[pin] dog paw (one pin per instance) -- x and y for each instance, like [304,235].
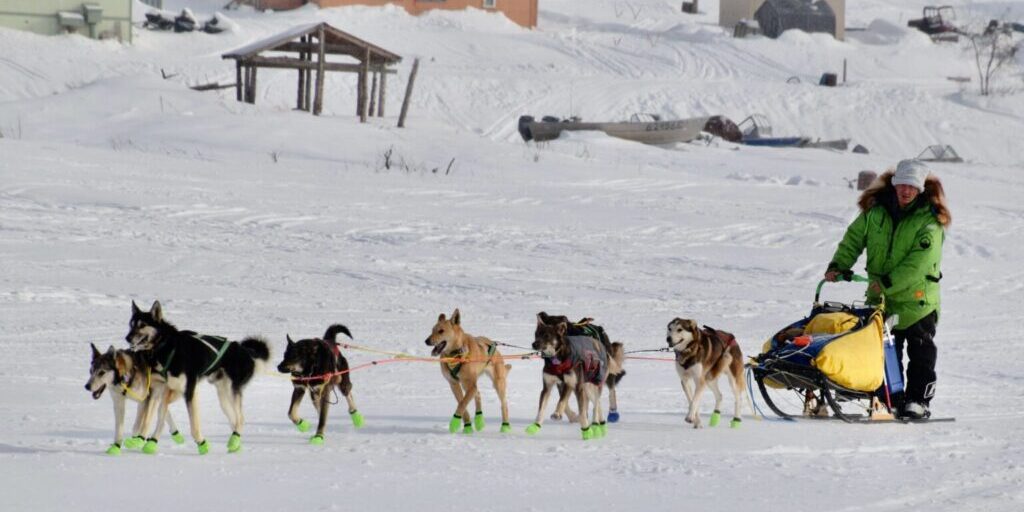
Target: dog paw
[150,447]
[203,447]
[357,419]
[177,437]
[533,429]
[506,428]
[735,423]
[467,428]
[316,440]
[715,418]
[613,416]
[134,443]
[555,416]
[453,424]
[573,417]
[234,442]
[478,421]
[302,425]
[589,433]
[115,449]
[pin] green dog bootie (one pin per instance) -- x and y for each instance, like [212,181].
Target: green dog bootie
[533,429]
[177,437]
[588,433]
[115,449]
[357,419]
[715,417]
[453,424]
[234,442]
[203,447]
[735,423]
[134,443]
[478,421]
[506,428]
[316,440]
[302,425]
[602,429]
[467,428]
[150,447]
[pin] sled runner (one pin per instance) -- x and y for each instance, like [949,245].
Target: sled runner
[838,362]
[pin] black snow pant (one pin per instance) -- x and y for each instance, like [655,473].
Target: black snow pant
[920,342]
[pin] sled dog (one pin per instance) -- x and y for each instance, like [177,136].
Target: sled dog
[579,360]
[557,371]
[129,375]
[317,366]
[464,359]
[183,358]
[702,355]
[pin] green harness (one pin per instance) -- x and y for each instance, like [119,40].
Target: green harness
[219,353]
[455,369]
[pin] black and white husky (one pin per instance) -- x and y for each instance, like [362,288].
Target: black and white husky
[129,376]
[183,358]
[318,366]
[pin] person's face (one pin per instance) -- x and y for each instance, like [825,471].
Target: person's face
[906,194]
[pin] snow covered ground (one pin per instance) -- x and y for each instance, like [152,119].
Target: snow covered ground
[117,185]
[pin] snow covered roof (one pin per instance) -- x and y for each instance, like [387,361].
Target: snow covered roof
[338,42]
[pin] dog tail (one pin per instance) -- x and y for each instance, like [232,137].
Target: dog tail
[615,361]
[258,349]
[333,330]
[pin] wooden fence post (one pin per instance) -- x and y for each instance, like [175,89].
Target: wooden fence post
[318,101]
[373,94]
[408,92]
[383,86]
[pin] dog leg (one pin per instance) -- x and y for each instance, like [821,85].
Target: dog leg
[693,415]
[345,386]
[582,399]
[453,424]
[118,399]
[545,394]
[716,414]
[562,408]
[293,409]
[470,391]
[613,403]
[192,405]
[325,406]
[230,403]
[739,390]
[172,427]
[501,386]
[599,419]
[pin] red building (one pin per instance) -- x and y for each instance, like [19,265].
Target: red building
[523,12]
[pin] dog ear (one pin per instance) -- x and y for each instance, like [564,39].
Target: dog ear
[441,317]
[135,309]
[111,350]
[540,318]
[95,353]
[456,317]
[562,327]
[157,311]
[695,331]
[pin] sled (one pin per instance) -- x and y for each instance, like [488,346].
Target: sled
[839,362]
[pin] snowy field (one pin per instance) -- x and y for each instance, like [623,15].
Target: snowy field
[117,185]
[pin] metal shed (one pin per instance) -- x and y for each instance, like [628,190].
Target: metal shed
[296,48]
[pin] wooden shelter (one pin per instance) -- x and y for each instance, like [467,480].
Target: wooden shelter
[305,49]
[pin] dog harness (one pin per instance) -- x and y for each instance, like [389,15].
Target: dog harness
[218,353]
[726,338]
[454,367]
[581,353]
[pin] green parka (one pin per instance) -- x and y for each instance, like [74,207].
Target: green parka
[904,247]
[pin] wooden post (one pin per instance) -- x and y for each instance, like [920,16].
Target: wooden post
[844,71]
[408,92]
[252,85]
[383,87]
[300,94]
[318,100]
[373,94]
[359,93]
[238,80]
[307,103]
[364,76]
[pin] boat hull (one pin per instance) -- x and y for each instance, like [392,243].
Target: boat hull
[650,132]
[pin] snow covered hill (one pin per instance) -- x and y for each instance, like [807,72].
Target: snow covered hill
[118,185]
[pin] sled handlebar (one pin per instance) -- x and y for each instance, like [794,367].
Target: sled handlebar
[845,275]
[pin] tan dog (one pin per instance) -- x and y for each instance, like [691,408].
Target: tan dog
[466,358]
[702,355]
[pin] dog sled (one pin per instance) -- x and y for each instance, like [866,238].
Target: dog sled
[839,362]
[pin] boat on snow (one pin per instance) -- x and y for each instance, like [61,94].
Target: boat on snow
[644,128]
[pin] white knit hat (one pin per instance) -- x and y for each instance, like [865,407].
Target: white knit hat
[911,172]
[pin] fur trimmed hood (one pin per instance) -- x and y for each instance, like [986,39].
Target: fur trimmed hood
[933,193]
